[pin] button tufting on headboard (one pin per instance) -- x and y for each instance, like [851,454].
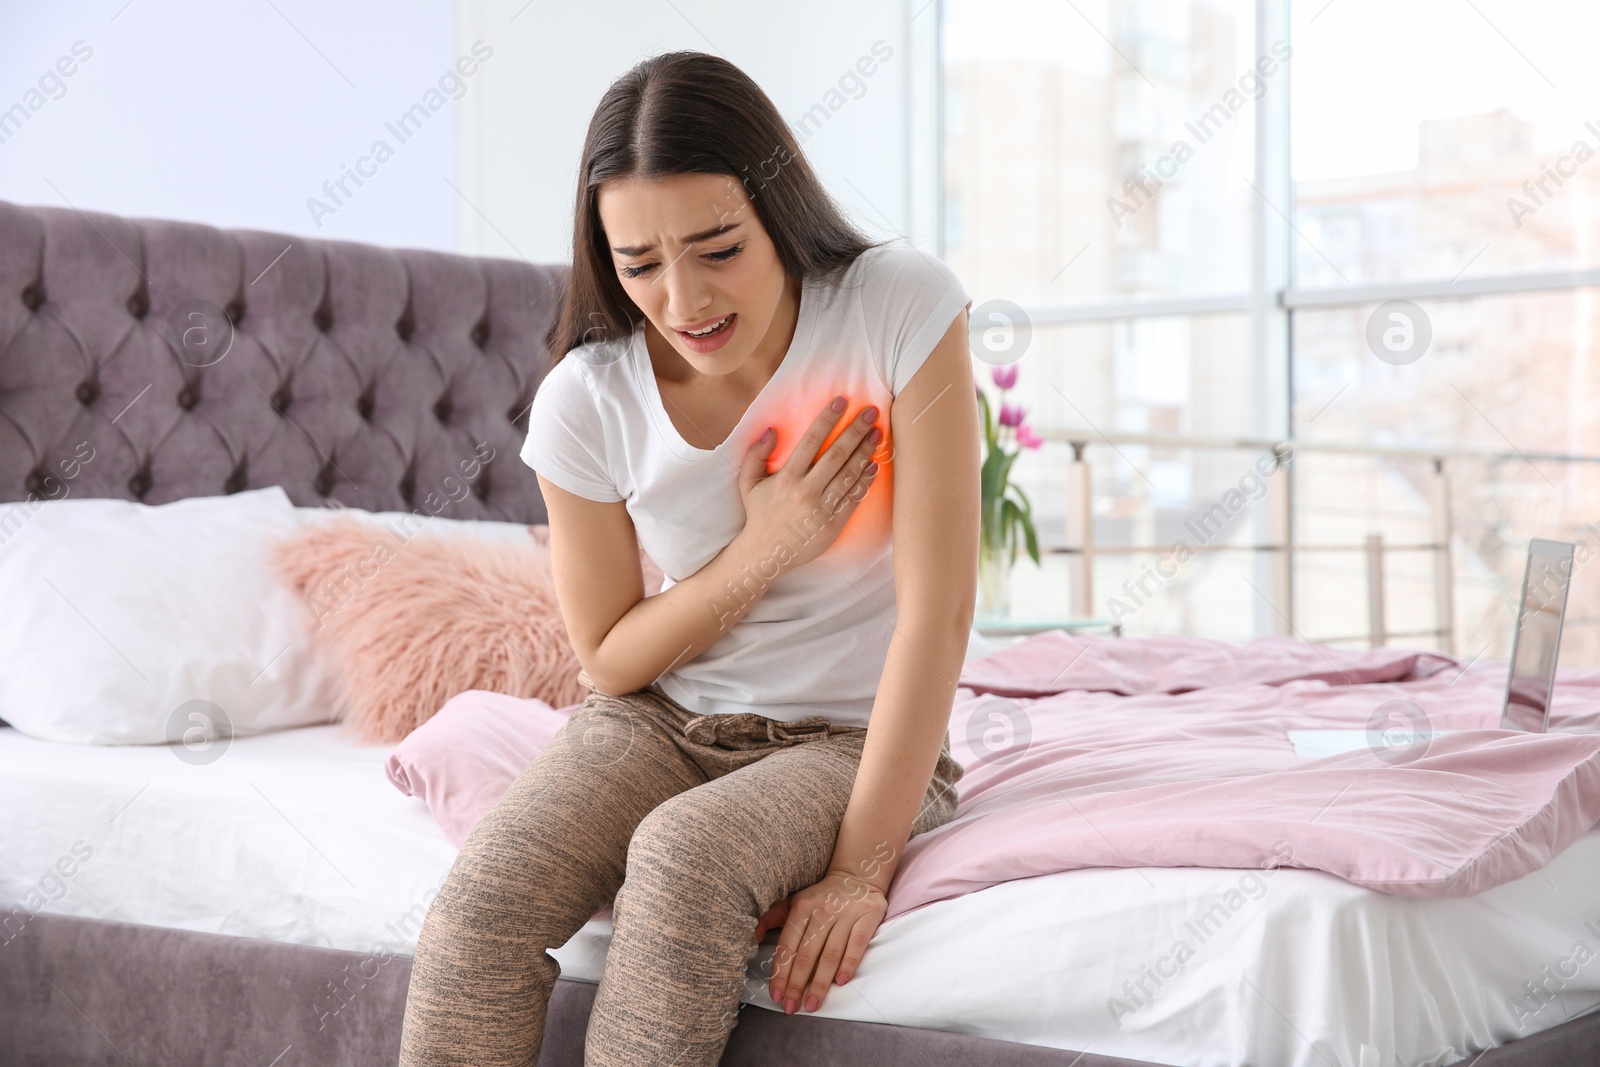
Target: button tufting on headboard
[326,478]
[518,415]
[449,396]
[140,483]
[238,480]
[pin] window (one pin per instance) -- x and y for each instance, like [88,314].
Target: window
[1087,169]
[1358,225]
[1468,144]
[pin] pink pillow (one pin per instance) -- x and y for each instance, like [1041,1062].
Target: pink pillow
[461,761]
[412,622]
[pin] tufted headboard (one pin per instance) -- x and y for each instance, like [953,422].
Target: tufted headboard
[152,360]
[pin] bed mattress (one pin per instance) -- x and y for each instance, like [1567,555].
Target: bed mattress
[297,836]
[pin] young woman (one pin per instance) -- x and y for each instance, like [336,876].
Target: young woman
[782,415]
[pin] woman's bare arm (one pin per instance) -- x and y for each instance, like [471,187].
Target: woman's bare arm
[626,640]
[936,504]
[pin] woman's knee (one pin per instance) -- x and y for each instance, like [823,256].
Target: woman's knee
[687,852]
[493,879]
[549,833]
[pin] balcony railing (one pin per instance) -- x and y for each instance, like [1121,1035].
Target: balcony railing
[1281,544]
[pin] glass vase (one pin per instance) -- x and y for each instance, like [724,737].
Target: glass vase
[994,583]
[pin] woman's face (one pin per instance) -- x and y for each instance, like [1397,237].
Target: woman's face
[691,252]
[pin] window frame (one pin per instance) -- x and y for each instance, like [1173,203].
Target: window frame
[1273,296]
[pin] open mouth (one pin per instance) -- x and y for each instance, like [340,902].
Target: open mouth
[712,330]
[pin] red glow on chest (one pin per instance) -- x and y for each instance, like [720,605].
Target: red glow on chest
[869,528]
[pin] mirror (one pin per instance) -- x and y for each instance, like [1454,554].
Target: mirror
[1537,638]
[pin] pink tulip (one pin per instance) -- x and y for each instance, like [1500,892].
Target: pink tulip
[1027,438]
[1011,414]
[1005,376]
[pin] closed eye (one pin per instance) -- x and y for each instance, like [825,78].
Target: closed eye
[721,256]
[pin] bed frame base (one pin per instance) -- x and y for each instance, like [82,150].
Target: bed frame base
[85,991]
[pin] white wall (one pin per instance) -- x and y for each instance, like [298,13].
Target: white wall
[237,114]
[521,135]
[228,114]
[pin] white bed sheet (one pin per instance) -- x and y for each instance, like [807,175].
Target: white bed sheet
[297,836]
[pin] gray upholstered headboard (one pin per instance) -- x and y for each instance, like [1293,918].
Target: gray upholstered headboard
[369,377]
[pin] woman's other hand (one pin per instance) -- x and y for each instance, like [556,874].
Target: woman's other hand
[796,512]
[826,930]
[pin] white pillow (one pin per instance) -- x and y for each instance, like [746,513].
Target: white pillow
[132,624]
[407,524]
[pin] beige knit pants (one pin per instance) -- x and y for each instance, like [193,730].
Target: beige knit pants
[693,824]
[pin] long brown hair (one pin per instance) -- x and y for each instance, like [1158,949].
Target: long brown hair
[693,113]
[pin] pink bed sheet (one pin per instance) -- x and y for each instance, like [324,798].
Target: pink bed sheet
[1055,662]
[1171,752]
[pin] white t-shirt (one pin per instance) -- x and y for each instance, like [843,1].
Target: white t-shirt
[816,642]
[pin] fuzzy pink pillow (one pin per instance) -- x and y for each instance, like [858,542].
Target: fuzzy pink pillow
[412,622]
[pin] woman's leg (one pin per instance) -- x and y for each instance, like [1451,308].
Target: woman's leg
[701,869]
[547,857]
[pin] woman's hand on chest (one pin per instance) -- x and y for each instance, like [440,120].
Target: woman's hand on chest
[796,512]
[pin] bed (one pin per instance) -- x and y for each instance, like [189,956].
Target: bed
[262,910]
